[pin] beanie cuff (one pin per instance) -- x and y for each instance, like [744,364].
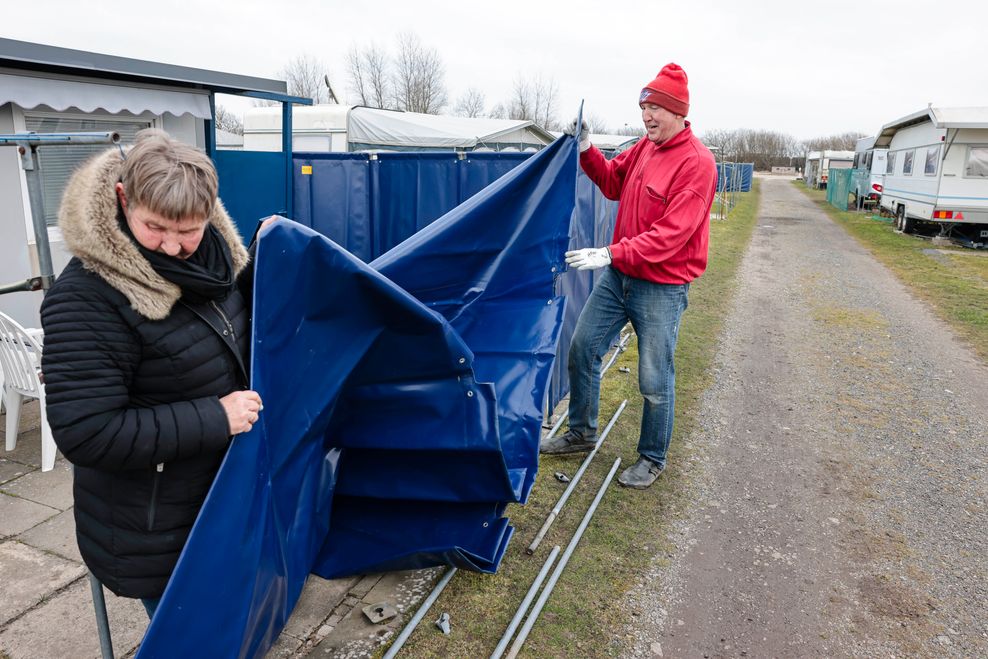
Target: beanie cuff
[663,99]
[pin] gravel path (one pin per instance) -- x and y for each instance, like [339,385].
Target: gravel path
[840,508]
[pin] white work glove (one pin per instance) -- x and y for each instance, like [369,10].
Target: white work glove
[584,134]
[590,258]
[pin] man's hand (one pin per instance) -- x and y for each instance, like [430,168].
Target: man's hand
[584,134]
[242,410]
[590,258]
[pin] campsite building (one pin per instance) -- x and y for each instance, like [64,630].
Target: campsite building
[50,89]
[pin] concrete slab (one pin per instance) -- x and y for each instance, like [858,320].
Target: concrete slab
[51,488]
[286,646]
[65,626]
[29,576]
[9,469]
[28,449]
[18,515]
[318,599]
[56,535]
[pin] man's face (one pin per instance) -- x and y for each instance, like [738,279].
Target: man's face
[660,124]
[178,238]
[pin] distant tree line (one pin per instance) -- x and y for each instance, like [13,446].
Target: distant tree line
[767,149]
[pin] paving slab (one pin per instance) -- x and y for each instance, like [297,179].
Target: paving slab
[18,515]
[10,469]
[319,597]
[56,535]
[51,488]
[29,576]
[28,449]
[65,626]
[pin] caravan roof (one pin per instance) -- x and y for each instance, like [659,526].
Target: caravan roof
[972,117]
[391,128]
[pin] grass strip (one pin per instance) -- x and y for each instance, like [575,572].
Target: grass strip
[952,280]
[630,527]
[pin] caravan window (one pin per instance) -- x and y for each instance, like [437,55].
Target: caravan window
[871,155]
[932,158]
[58,162]
[907,163]
[890,164]
[977,161]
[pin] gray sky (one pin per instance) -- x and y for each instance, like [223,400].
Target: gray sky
[805,68]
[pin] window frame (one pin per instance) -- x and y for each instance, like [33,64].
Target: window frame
[932,150]
[967,158]
[907,161]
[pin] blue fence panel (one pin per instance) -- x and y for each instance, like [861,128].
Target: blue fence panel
[413,190]
[334,198]
[734,176]
[252,186]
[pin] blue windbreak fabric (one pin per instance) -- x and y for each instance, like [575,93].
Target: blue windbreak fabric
[402,408]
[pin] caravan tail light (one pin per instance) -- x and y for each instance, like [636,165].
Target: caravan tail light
[943,215]
[877,187]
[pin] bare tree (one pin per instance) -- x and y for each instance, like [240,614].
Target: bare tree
[306,76]
[764,148]
[636,130]
[471,104]
[595,123]
[419,77]
[226,120]
[498,112]
[534,99]
[370,77]
[839,142]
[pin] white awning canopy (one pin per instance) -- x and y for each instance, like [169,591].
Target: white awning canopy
[30,92]
[388,128]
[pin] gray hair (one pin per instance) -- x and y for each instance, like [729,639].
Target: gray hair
[168,177]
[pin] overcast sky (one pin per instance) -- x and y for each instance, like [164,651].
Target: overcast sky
[805,68]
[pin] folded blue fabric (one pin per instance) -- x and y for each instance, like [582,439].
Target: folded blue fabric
[402,410]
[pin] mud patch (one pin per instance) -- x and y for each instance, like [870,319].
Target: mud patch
[894,600]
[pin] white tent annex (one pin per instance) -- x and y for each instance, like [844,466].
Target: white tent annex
[337,128]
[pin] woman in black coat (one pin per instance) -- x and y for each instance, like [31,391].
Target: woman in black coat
[145,362]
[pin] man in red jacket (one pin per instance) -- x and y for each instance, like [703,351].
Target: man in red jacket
[665,186]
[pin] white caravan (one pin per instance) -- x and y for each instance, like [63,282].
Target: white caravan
[869,171]
[819,163]
[937,171]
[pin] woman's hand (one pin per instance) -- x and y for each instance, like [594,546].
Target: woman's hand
[242,410]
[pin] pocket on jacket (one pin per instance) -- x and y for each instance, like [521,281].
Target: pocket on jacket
[653,203]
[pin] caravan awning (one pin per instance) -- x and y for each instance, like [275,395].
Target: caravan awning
[31,91]
[390,128]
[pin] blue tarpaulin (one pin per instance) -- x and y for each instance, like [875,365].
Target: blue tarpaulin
[402,410]
[734,176]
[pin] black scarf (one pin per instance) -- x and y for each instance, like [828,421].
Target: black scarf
[205,276]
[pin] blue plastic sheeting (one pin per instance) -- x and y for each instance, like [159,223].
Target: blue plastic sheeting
[252,186]
[402,410]
[734,176]
[368,205]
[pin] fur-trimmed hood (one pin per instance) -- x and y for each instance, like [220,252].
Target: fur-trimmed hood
[88,220]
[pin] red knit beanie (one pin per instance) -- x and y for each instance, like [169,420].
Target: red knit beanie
[668,90]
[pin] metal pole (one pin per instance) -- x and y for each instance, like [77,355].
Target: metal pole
[417,618]
[29,161]
[572,484]
[102,622]
[621,347]
[544,597]
[523,607]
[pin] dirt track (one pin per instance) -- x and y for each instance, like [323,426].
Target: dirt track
[840,508]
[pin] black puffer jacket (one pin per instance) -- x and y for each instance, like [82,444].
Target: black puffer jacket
[133,380]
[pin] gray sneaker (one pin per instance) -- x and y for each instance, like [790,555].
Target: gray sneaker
[640,475]
[568,442]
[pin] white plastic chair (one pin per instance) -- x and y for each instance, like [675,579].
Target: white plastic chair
[20,362]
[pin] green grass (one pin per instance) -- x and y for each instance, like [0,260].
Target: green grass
[953,280]
[629,528]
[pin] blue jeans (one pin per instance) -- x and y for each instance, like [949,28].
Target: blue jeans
[654,311]
[151,605]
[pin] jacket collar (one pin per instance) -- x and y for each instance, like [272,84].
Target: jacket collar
[677,139]
[89,224]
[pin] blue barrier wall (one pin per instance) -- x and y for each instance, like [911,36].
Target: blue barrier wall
[252,186]
[370,204]
[734,176]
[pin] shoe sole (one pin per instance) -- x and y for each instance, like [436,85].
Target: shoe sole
[636,486]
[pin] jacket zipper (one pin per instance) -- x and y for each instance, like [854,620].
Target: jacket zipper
[226,321]
[154,494]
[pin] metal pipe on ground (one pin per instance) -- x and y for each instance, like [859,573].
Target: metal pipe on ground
[523,607]
[102,622]
[417,618]
[572,484]
[621,347]
[547,591]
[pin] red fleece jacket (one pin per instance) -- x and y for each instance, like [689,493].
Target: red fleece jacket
[663,219]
